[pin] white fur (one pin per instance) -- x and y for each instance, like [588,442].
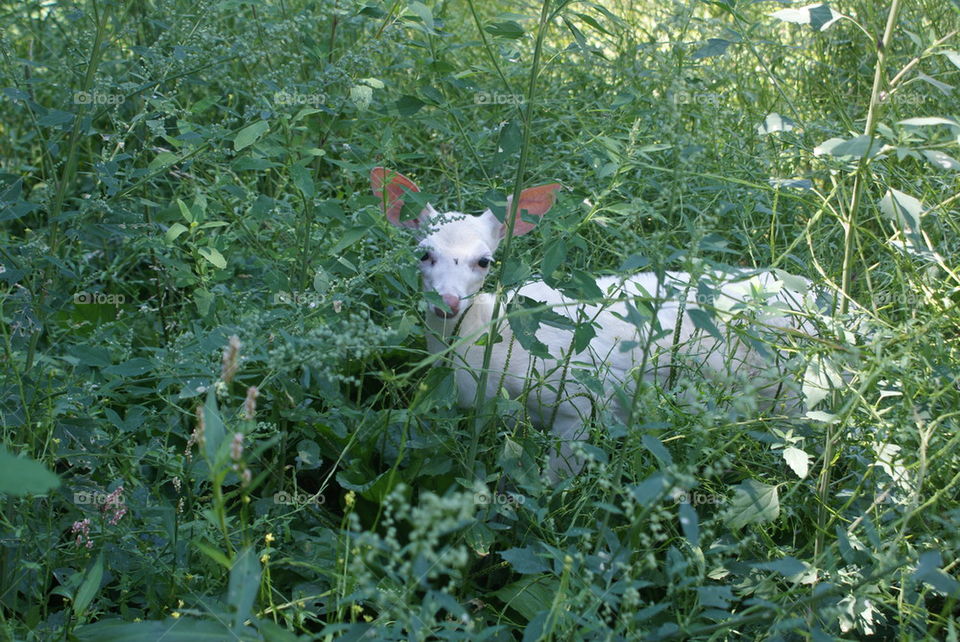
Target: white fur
[456,242]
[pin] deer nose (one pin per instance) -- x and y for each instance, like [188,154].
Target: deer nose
[453,302]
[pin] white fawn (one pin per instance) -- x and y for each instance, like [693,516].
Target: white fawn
[457,252]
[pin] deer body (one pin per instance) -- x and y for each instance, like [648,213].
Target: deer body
[458,250]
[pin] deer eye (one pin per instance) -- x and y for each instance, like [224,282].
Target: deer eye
[484,262]
[425,257]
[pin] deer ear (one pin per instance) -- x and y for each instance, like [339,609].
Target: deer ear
[495,227]
[535,200]
[389,187]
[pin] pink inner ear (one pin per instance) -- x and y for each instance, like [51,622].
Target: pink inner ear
[537,201]
[395,184]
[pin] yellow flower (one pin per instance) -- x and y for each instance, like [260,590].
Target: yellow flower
[175,615]
[264,558]
[350,499]
[269,539]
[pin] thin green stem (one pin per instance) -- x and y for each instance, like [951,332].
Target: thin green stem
[479,419]
[849,232]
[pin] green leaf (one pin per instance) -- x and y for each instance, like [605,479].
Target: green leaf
[656,447]
[480,538]
[348,238]
[819,379]
[715,596]
[787,566]
[20,476]
[703,320]
[213,553]
[204,299]
[163,159]
[54,118]
[577,34]
[520,466]
[530,595]
[553,257]
[515,271]
[213,255]
[940,160]
[905,211]
[942,87]
[423,12]
[583,334]
[90,586]
[581,286]
[184,629]
[774,122]
[927,121]
[214,430]
[211,224]
[821,416]
[590,20]
[510,139]
[822,16]
[185,211]
[525,560]
[929,572]
[175,231]
[753,503]
[689,523]
[534,631]
[819,16]
[504,29]
[375,83]
[93,356]
[303,179]
[525,325]
[244,586]
[247,163]
[798,460]
[408,105]
[855,147]
[714,47]
[249,135]
[130,368]
[953,57]
[651,489]
[791,183]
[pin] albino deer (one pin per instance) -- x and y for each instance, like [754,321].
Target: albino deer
[457,254]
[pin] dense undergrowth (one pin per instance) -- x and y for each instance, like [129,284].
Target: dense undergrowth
[218,416]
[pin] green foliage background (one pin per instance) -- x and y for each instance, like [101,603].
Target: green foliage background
[176,173]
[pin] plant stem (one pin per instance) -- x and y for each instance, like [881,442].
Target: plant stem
[849,231]
[509,221]
[823,486]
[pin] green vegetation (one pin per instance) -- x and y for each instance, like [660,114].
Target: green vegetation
[175,174]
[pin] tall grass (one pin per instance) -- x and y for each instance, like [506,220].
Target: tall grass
[177,174]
